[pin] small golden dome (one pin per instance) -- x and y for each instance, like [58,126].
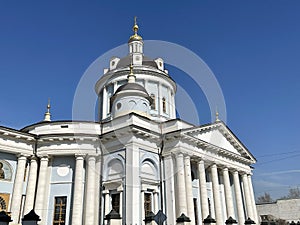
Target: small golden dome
[135,36]
[135,28]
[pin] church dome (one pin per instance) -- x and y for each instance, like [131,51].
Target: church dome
[130,97]
[132,87]
[152,93]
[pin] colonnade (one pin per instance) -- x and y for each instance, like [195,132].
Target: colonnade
[38,184]
[86,190]
[239,197]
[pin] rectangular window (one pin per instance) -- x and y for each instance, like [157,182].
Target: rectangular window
[115,202]
[60,206]
[147,203]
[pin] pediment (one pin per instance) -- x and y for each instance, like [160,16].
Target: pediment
[219,135]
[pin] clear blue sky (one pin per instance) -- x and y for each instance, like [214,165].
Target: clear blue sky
[252,47]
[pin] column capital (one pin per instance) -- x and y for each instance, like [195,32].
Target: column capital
[91,157]
[187,156]
[250,174]
[168,156]
[230,169]
[235,172]
[105,191]
[22,155]
[202,162]
[44,158]
[213,165]
[80,155]
[33,158]
[179,154]
[42,155]
[244,173]
[120,188]
[221,166]
[225,168]
[195,159]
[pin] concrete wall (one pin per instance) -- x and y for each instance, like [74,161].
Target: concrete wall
[281,209]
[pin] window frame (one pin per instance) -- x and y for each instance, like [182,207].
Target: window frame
[62,210]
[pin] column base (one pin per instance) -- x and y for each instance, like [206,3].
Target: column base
[183,220]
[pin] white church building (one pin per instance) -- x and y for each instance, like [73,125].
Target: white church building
[136,159]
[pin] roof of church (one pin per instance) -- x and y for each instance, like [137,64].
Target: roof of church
[131,86]
[126,61]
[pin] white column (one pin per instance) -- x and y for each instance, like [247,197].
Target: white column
[18,187]
[173,106]
[155,201]
[121,204]
[78,191]
[181,192]
[170,191]
[31,185]
[97,189]
[159,101]
[203,189]
[228,194]
[169,104]
[238,198]
[247,196]
[216,194]
[105,104]
[189,189]
[106,203]
[40,204]
[253,199]
[90,193]
[143,204]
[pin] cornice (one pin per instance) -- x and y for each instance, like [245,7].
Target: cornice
[145,70]
[208,147]
[14,134]
[228,134]
[132,130]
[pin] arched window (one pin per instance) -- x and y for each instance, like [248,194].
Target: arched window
[153,105]
[164,105]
